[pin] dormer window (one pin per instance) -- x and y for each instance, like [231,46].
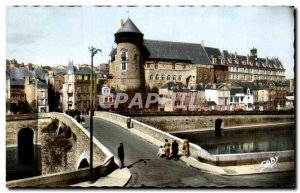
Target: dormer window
[168,77]
[157,77]
[257,64]
[174,77]
[248,91]
[222,61]
[151,77]
[236,61]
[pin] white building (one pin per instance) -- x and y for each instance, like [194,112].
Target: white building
[289,102]
[241,96]
[220,94]
[106,98]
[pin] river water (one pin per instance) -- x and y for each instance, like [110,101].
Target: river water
[246,140]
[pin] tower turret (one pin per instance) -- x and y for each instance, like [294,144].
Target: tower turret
[127,69]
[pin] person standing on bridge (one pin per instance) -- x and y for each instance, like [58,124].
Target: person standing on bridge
[175,150]
[167,148]
[128,122]
[121,155]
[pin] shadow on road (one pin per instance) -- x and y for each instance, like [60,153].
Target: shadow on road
[141,160]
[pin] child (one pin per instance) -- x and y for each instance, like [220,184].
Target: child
[161,151]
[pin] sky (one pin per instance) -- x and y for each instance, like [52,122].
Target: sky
[54,35]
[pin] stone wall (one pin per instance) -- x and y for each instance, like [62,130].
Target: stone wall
[14,123]
[81,148]
[181,123]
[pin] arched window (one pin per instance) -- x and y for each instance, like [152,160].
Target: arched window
[163,77]
[151,77]
[179,77]
[174,77]
[157,77]
[168,77]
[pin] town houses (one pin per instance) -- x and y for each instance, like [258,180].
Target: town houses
[185,77]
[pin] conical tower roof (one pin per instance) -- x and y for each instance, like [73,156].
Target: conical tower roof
[129,27]
[129,33]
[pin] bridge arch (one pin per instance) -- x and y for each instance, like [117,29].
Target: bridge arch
[25,145]
[83,160]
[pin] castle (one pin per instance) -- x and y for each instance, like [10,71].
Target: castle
[140,64]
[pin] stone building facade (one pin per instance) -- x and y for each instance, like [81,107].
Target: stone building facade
[76,88]
[137,63]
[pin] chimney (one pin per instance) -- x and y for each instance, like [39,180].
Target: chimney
[247,59]
[202,42]
[122,23]
[267,61]
[214,86]
[292,86]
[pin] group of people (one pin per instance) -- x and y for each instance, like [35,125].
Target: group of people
[77,115]
[170,151]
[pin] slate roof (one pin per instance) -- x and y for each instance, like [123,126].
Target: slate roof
[70,67]
[83,70]
[18,73]
[17,82]
[58,71]
[193,53]
[247,85]
[225,54]
[173,85]
[129,27]
[213,52]
[236,88]
[113,53]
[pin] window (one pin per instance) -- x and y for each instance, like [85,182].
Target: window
[173,66]
[168,77]
[151,77]
[225,77]
[184,66]
[85,77]
[124,59]
[124,65]
[156,66]
[179,77]
[163,77]
[157,77]
[135,57]
[148,65]
[174,77]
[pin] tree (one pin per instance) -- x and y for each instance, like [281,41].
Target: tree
[33,105]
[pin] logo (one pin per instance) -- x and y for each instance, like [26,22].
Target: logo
[269,163]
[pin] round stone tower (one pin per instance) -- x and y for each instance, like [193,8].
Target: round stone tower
[127,68]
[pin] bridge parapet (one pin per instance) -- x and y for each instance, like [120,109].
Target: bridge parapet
[196,151]
[81,149]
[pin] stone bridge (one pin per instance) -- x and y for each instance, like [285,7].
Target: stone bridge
[47,143]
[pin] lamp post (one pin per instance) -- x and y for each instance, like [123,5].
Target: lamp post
[93,52]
